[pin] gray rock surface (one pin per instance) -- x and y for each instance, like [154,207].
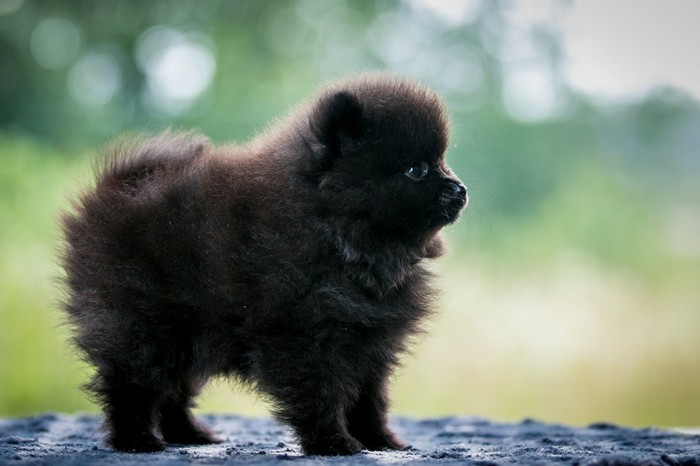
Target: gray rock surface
[55,439]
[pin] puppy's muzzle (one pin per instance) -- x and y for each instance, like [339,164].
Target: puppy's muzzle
[454,196]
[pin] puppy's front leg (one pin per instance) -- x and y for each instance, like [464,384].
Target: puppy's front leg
[367,418]
[310,396]
[324,432]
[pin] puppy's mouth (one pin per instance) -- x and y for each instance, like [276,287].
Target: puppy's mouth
[452,200]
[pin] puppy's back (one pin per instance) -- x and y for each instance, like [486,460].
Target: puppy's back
[145,197]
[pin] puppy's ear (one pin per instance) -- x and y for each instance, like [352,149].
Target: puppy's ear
[335,122]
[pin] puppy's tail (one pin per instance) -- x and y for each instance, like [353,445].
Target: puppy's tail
[132,160]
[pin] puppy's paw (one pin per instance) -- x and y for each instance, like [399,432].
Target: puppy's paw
[144,442]
[340,446]
[192,435]
[383,440]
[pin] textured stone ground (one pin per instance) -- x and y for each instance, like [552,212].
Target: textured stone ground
[76,440]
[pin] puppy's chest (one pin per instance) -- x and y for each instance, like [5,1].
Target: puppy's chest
[369,298]
[380,278]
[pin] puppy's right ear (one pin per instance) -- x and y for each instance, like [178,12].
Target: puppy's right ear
[335,121]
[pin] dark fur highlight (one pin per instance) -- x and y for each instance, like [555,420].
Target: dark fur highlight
[294,263]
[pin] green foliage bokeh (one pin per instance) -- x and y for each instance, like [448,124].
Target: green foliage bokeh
[571,288]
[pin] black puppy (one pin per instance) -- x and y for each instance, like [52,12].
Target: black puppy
[294,262]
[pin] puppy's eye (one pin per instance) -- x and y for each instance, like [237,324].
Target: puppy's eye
[417,172]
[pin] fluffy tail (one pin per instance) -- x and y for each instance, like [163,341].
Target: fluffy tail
[132,160]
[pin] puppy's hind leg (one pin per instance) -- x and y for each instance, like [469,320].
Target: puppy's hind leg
[130,409]
[133,379]
[178,424]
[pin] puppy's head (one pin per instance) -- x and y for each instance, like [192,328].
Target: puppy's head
[377,149]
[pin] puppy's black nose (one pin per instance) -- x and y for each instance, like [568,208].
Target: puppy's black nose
[458,190]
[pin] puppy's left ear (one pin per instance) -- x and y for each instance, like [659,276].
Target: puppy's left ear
[335,122]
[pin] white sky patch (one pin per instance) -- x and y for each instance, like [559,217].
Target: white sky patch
[620,49]
[613,49]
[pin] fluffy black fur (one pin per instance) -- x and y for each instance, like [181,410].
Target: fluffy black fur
[295,263]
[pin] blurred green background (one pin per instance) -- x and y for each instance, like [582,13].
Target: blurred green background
[572,289]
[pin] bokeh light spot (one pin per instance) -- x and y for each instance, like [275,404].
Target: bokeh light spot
[451,12]
[95,79]
[530,92]
[8,7]
[179,67]
[55,43]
